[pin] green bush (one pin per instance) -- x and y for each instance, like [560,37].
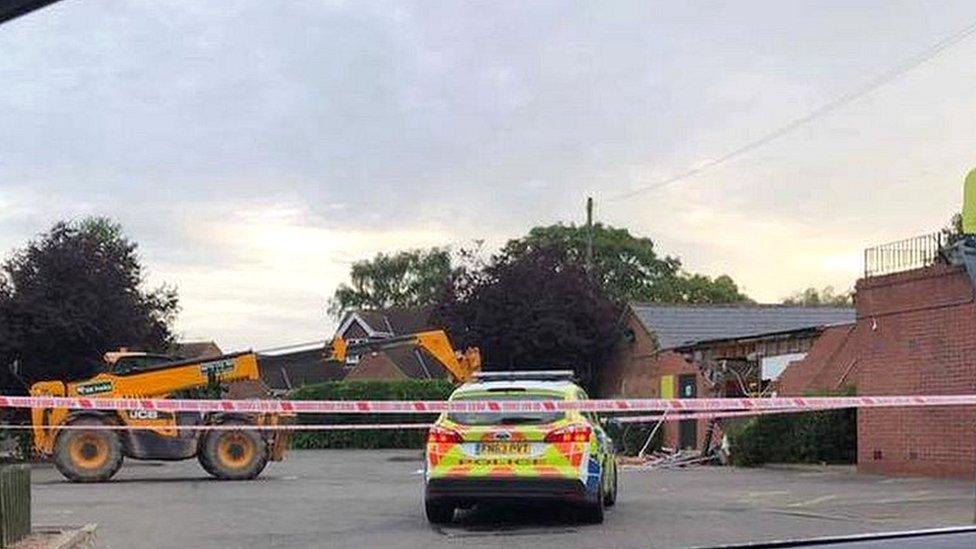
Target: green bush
[808,437]
[368,390]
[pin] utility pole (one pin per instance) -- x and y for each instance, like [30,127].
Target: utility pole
[589,234]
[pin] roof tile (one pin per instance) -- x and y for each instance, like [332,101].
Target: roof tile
[679,325]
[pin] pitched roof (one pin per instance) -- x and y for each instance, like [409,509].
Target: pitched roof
[391,321]
[286,371]
[376,367]
[679,325]
[247,388]
[417,365]
[197,349]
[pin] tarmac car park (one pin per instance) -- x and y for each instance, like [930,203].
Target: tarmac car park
[562,457]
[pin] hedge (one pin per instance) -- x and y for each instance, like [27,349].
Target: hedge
[368,390]
[808,437]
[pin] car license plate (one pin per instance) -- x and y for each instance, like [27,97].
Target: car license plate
[503,448]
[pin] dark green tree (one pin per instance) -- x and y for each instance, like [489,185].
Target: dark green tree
[75,293]
[410,278]
[534,309]
[628,267]
[826,297]
[953,230]
[699,288]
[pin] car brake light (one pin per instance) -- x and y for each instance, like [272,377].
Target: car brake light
[441,435]
[573,433]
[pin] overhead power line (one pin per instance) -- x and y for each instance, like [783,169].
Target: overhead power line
[878,81]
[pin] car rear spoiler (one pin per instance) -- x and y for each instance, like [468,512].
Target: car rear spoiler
[528,375]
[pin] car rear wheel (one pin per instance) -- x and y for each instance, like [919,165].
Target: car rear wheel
[611,498]
[592,511]
[439,512]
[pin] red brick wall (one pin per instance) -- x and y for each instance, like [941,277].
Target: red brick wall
[916,334]
[828,367]
[628,372]
[636,368]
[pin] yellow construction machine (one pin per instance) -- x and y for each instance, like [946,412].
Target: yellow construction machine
[461,365]
[93,455]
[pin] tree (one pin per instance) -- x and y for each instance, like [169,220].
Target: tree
[698,288]
[409,278]
[953,230]
[827,297]
[531,310]
[628,267]
[75,293]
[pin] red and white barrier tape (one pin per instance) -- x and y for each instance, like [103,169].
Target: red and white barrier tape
[403,426]
[716,415]
[389,426]
[665,417]
[236,427]
[490,406]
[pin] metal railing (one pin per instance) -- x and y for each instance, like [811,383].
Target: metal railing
[905,255]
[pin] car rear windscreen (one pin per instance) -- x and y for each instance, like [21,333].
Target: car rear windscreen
[507,418]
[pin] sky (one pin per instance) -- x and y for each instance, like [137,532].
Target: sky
[256,149]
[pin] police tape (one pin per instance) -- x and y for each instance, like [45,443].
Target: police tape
[640,419]
[393,426]
[229,427]
[372,426]
[380,426]
[717,415]
[717,405]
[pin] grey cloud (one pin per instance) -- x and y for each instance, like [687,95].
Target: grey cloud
[478,119]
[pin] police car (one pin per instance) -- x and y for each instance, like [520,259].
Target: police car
[558,456]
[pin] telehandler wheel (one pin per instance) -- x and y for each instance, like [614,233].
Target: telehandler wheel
[233,454]
[88,455]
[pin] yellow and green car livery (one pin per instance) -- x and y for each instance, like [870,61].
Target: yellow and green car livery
[548,455]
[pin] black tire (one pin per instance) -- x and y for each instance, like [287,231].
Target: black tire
[592,511]
[611,498]
[233,454]
[88,456]
[438,512]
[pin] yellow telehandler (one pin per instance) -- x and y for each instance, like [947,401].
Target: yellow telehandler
[94,455]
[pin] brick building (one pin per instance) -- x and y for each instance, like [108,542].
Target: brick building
[918,336]
[667,348]
[828,366]
[915,334]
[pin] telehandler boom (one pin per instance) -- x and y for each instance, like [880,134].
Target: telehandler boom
[460,365]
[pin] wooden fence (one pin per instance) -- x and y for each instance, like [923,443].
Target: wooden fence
[15,503]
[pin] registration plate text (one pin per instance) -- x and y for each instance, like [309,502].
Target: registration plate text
[503,448]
